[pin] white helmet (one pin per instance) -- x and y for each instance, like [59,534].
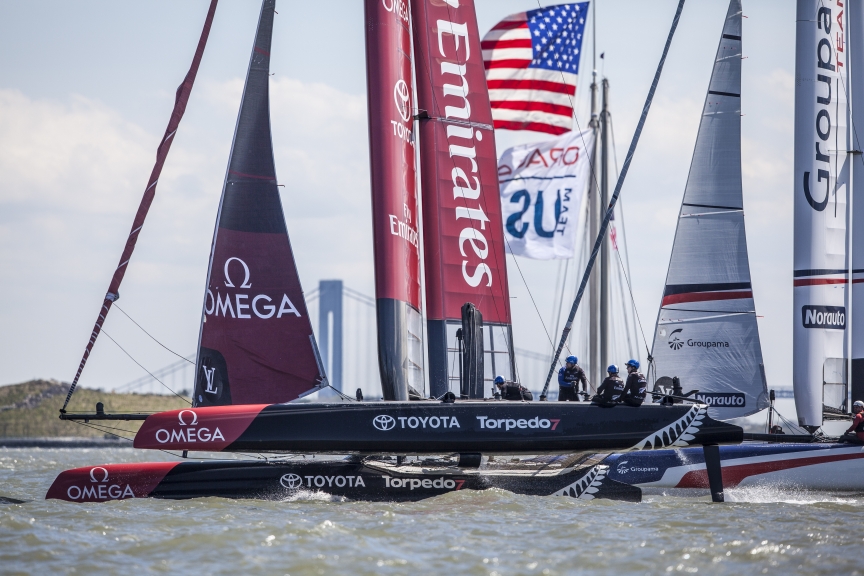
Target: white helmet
[858,403]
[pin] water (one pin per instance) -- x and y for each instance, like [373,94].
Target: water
[494,532]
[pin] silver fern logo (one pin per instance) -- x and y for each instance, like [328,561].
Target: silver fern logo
[587,485]
[675,343]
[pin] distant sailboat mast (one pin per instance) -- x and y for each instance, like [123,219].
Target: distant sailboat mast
[855,26]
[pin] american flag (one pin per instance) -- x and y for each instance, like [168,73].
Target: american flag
[532,62]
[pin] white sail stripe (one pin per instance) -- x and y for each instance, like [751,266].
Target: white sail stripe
[711,213]
[703,318]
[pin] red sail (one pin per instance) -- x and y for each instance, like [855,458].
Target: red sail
[180,100]
[462,228]
[256,345]
[394,196]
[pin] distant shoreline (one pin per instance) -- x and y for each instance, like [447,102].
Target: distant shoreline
[64,442]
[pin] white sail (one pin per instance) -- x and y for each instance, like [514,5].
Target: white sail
[855,27]
[821,176]
[706,331]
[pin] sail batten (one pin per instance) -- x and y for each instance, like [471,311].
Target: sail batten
[256,342]
[706,332]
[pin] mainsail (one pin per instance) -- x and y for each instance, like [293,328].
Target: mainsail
[821,177]
[462,228]
[706,331]
[395,208]
[256,342]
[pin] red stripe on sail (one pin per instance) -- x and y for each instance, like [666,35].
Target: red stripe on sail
[705,297]
[533,126]
[506,43]
[819,281]
[533,106]
[242,175]
[544,85]
[181,98]
[734,475]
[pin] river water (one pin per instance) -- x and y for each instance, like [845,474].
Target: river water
[757,531]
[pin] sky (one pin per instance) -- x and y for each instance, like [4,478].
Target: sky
[86,89]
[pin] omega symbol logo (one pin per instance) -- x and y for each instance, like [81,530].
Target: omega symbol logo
[291,481]
[384,422]
[183,422]
[402,98]
[675,343]
[94,475]
[228,281]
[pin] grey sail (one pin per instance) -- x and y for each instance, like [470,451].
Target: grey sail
[706,332]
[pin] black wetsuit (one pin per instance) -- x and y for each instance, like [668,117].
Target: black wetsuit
[568,383]
[609,392]
[634,389]
[513,391]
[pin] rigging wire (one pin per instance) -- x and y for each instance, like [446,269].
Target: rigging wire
[150,335]
[145,369]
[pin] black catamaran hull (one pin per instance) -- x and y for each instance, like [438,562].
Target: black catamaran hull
[374,481]
[489,427]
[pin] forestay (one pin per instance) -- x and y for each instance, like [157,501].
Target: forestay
[706,331]
[256,343]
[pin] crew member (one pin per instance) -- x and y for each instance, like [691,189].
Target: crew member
[609,392]
[570,378]
[856,430]
[634,389]
[512,390]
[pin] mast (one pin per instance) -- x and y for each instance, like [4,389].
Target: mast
[706,332]
[463,233]
[256,344]
[855,23]
[604,249]
[395,206]
[594,217]
[820,204]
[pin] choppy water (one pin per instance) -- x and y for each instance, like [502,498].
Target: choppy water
[493,532]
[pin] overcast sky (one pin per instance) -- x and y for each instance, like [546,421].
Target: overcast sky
[86,89]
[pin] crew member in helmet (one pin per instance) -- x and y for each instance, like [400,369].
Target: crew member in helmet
[609,392]
[512,390]
[634,389]
[856,430]
[570,378]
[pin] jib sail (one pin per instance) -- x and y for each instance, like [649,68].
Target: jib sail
[256,342]
[706,331]
[463,233]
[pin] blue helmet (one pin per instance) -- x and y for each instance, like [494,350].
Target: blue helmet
[633,363]
[499,380]
[612,369]
[572,360]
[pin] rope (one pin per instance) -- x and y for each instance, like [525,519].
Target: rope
[151,336]
[625,169]
[142,367]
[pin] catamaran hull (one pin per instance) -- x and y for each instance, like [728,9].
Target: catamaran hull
[487,427]
[831,467]
[349,480]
